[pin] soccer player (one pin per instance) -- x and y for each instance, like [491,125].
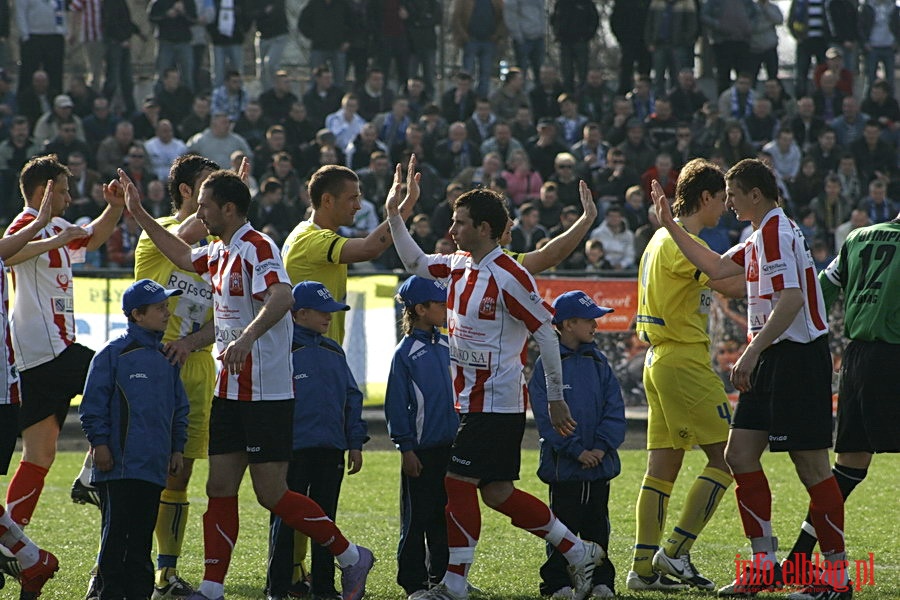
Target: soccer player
[187,341]
[30,564]
[868,414]
[777,407]
[251,418]
[492,307]
[53,366]
[687,399]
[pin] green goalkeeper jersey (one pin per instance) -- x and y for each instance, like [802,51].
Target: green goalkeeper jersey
[868,270]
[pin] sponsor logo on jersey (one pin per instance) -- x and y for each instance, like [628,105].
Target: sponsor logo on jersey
[267,265]
[487,308]
[476,359]
[236,284]
[198,292]
[774,268]
[225,335]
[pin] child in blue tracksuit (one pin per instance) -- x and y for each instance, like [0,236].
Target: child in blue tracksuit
[422,423]
[578,468]
[327,422]
[134,413]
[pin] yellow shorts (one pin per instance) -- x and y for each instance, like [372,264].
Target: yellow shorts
[687,399]
[199,378]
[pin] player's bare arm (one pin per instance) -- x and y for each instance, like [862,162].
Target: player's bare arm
[103,226]
[713,264]
[277,302]
[178,351]
[173,247]
[733,287]
[379,240]
[192,230]
[790,301]
[560,247]
[12,244]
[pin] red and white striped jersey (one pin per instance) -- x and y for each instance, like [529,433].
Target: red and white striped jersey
[492,307]
[9,377]
[240,273]
[43,315]
[776,257]
[89,16]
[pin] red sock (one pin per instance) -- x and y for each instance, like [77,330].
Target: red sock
[528,513]
[754,503]
[303,515]
[220,533]
[24,491]
[826,511]
[463,523]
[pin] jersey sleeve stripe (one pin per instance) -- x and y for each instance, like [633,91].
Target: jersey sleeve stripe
[738,256]
[516,270]
[441,271]
[813,300]
[520,312]
[770,239]
[330,255]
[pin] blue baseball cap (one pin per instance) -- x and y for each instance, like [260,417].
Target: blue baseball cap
[144,292]
[314,295]
[577,304]
[417,290]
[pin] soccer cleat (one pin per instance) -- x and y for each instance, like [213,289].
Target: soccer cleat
[34,577]
[93,592]
[299,589]
[176,589]
[10,566]
[353,577]
[681,568]
[822,593]
[655,582]
[754,580]
[85,494]
[582,573]
[564,593]
[602,591]
[441,592]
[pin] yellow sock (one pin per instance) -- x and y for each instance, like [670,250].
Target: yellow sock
[701,503]
[301,548]
[170,524]
[650,511]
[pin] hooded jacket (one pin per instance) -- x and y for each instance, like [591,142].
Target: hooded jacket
[595,400]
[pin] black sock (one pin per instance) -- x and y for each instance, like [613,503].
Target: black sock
[847,478]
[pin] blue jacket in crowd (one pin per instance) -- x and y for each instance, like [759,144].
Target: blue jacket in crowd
[134,402]
[419,405]
[595,400]
[328,403]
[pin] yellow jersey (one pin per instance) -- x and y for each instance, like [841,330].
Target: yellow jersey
[673,295]
[193,308]
[311,253]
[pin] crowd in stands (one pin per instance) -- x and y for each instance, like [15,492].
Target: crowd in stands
[532,135]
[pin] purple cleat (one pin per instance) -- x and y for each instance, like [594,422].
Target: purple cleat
[353,577]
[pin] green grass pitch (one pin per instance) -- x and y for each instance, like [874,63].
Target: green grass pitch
[507,559]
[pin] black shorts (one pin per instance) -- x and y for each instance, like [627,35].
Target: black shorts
[790,396]
[48,389]
[9,433]
[263,429]
[488,447]
[868,413]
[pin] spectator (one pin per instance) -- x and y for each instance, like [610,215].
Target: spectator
[594,97]
[456,153]
[736,102]
[323,97]
[82,95]
[858,218]
[420,230]
[423,17]
[389,39]
[827,99]
[729,25]
[850,181]
[733,146]
[761,124]
[544,96]
[661,124]
[522,183]
[526,22]
[806,125]
[834,62]
[282,170]
[391,126]
[434,126]
[821,254]
[527,231]
[879,31]
[173,97]
[415,143]
[642,98]
[163,148]
[112,151]
[574,24]
[832,208]
[670,33]
[808,23]
[849,125]
[136,167]
[617,239]
[197,120]
[157,202]
[375,180]
[482,175]
[374,96]
[442,215]
[345,123]
[298,128]
[783,104]
[611,183]
[826,153]
[121,244]
[635,208]
[81,178]
[510,96]
[269,214]
[684,148]
[35,100]
[206,14]
[146,121]
[217,141]
[808,184]
[252,125]
[359,151]
[480,125]
[173,20]
[881,105]
[359,49]
[764,39]
[786,155]
[544,148]
[590,151]
[42,31]
[15,151]
[47,126]
[458,103]
[501,143]
[595,257]
[230,97]
[844,21]
[66,142]
[875,158]
[877,205]
[98,125]
[117,30]
[477,27]
[271,39]
[569,122]
[627,23]
[662,172]
[549,209]
[686,99]
[639,154]
[327,25]
[277,98]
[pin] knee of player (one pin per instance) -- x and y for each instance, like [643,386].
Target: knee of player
[268,495]
[496,493]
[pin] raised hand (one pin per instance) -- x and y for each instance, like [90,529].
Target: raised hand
[392,203]
[587,201]
[114,192]
[244,171]
[45,212]
[130,192]
[663,210]
[412,187]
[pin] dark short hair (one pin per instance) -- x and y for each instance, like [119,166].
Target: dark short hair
[752,173]
[186,169]
[329,179]
[38,171]
[696,177]
[225,186]
[485,206]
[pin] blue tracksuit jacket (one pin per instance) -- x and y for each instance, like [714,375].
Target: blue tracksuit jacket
[327,401]
[134,403]
[419,405]
[595,401]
